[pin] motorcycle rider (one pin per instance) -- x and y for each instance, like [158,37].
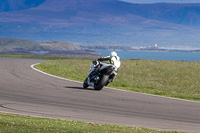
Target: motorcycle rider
[112,59]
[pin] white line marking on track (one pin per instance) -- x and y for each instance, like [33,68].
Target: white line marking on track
[33,67]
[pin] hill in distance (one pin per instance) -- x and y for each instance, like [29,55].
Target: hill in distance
[19,46]
[101,22]
[11,45]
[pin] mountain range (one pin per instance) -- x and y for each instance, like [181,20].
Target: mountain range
[101,22]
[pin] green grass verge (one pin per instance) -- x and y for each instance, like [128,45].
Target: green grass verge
[165,78]
[22,124]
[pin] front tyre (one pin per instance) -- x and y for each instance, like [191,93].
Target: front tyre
[101,83]
[85,84]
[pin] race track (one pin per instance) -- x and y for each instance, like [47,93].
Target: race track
[28,92]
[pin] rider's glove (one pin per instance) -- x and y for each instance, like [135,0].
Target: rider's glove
[94,62]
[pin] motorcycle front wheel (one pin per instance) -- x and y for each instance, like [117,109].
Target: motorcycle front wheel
[85,84]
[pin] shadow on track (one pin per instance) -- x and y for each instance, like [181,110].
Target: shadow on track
[80,88]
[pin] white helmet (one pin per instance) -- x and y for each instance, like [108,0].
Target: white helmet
[113,53]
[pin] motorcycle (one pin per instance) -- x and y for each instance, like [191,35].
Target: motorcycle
[100,75]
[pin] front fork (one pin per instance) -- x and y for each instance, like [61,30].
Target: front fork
[91,70]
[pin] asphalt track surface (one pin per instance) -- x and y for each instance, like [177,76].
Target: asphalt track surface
[25,91]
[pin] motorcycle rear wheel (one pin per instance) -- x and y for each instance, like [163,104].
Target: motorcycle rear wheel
[101,83]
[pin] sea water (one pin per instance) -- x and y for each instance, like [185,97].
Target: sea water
[174,56]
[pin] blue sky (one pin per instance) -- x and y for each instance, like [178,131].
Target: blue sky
[158,1]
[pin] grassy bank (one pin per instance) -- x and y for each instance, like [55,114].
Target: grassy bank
[21,124]
[166,78]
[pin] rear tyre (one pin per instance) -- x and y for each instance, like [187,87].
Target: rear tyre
[101,83]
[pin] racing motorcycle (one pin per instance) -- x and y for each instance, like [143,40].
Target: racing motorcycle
[101,74]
